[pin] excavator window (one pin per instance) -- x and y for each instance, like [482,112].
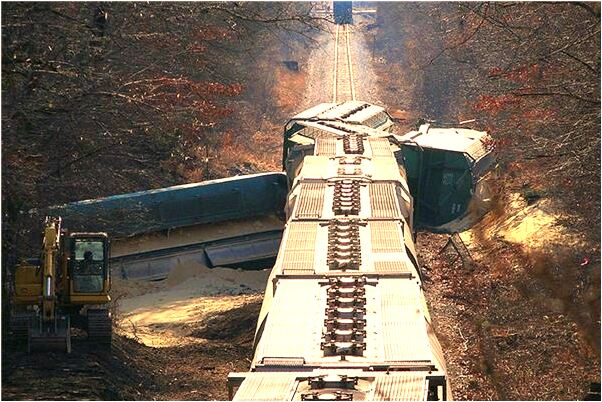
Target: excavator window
[88,267]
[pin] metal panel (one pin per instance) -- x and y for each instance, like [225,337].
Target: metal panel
[315,132]
[171,207]
[326,146]
[390,266]
[154,267]
[311,200]
[255,247]
[269,387]
[383,200]
[385,237]
[379,120]
[343,110]
[323,130]
[294,323]
[385,169]
[316,167]
[365,115]
[380,147]
[403,324]
[341,129]
[283,362]
[409,386]
[436,347]
[299,249]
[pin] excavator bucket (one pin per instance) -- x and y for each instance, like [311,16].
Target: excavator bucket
[55,336]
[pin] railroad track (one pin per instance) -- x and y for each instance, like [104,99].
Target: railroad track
[343,84]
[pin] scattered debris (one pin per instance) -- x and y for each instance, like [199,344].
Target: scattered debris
[462,253]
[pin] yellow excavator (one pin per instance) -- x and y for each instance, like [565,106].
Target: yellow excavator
[67,286]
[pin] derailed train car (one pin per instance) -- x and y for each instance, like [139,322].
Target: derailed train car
[236,221]
[344,316]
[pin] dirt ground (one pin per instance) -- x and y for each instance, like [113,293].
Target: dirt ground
[175,340]
[174,312]
[518,322]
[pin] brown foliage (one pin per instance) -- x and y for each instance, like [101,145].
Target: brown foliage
[105,98]
[528,72]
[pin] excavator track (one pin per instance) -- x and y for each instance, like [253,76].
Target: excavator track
[100,326]
[19,325]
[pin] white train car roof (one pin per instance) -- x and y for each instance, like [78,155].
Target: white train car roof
[352,112]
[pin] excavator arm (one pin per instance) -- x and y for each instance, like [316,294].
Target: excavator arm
[36,310]
[50,329]
[52,232]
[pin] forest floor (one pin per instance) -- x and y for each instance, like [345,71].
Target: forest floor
[516,322]
[517,314]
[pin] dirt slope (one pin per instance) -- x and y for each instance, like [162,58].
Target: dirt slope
[185,370]
[524,313]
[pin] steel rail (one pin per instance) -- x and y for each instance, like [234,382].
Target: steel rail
[336,61]
[343,80]
[351,80]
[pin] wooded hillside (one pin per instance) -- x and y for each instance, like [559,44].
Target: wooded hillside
[529,73]
[105,98]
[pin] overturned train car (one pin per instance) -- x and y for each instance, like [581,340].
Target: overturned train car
[236,221]
[344,316]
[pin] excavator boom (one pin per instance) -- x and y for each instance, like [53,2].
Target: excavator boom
[51,328]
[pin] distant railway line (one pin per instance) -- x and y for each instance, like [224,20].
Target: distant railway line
[343,81]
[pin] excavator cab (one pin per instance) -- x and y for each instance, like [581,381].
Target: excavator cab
[88,269]
[89,283]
